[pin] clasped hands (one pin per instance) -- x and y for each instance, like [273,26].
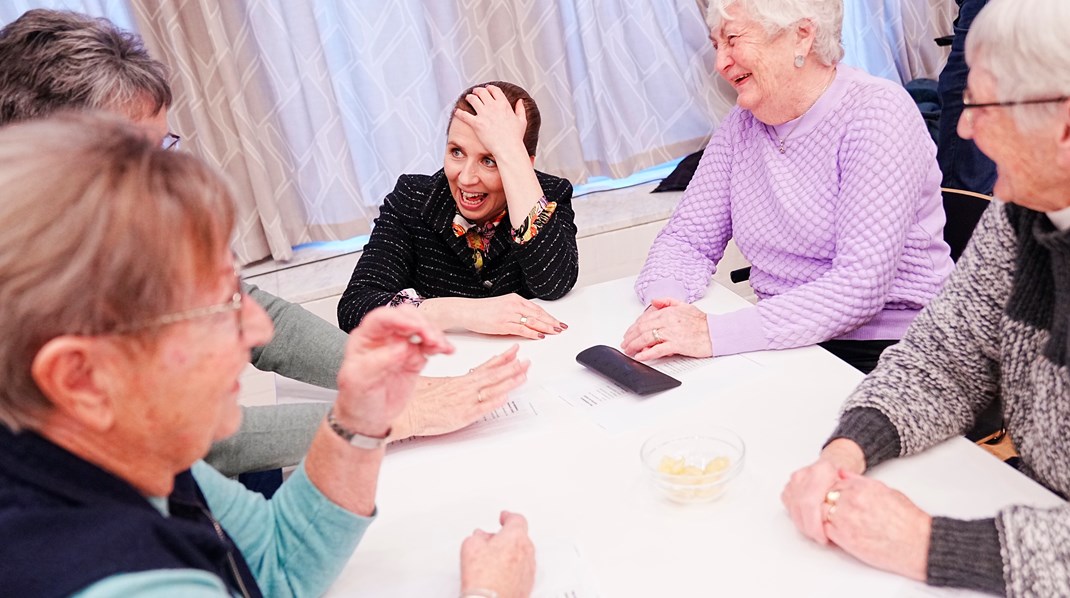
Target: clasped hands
[829,501]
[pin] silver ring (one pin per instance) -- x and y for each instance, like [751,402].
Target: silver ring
[523,319]
[657,335]
[828,515]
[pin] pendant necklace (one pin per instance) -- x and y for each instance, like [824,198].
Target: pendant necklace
[783,140]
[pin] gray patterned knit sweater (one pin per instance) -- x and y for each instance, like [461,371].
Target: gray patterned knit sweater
[998,329]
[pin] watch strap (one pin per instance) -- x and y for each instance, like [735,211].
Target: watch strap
[356,439]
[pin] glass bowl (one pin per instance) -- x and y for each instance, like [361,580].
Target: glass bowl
[692,464]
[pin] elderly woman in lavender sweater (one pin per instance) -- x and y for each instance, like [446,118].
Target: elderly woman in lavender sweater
[827,179]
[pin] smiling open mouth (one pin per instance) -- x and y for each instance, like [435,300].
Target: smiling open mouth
[472,200]
[740,79]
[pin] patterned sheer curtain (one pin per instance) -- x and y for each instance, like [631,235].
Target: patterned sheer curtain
[894,38]
[315,108]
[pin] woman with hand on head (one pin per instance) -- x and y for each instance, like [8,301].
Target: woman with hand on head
[52,60]
[999,330]
[473,243]
[826,178]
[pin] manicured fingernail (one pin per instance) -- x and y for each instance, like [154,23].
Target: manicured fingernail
[564,325]
[556,329]
[541,335]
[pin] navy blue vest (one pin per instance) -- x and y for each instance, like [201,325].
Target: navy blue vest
[65,524]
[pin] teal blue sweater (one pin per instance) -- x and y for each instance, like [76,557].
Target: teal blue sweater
[296,543]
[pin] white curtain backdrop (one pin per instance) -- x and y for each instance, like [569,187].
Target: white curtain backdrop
[314,108]
[894,38]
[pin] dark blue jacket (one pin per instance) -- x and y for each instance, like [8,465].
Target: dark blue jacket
[66,524]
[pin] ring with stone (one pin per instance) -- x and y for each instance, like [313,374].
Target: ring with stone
[656,334]
[523,319]
[831,497]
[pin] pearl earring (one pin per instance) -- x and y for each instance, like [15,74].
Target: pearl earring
[799,61]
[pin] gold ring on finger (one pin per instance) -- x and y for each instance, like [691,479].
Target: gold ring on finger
[831,497]
[828,515]
[657,335]
[524,320]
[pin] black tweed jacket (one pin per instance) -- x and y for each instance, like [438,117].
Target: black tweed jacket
[413,246]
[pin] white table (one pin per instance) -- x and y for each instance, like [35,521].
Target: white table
[581,485]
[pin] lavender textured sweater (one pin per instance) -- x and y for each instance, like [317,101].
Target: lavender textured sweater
[843,231]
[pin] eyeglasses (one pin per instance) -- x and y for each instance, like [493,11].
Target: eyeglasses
[170,141]
[234,305]
[968,103]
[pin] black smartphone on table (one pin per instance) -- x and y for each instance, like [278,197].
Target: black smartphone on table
[634,375]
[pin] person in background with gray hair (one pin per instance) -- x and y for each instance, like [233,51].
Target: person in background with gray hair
[999,329]
[54,60]
[825,177]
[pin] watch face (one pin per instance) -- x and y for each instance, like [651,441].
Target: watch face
[367,442]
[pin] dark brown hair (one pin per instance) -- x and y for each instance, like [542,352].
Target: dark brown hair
[512,93]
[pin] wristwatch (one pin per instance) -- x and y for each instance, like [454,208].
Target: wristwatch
[356,439]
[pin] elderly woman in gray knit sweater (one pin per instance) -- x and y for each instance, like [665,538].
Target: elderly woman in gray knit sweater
[1000,329]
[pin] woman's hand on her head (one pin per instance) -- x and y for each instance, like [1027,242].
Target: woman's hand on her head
[805,496]
[383,358]
[503,562]
[879,526]
[443,405]
[499,126]
[668,327]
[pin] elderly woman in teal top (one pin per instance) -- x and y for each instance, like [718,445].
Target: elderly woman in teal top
[125,333]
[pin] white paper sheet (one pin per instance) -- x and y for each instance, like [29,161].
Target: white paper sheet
[518,412]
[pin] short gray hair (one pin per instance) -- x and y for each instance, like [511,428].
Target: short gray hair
[1024,45]
[777,15]
[123,235]
[53,60]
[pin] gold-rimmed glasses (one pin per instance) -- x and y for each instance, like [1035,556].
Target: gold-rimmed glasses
[235,304]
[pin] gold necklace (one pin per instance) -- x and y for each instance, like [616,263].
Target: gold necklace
[782,140]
